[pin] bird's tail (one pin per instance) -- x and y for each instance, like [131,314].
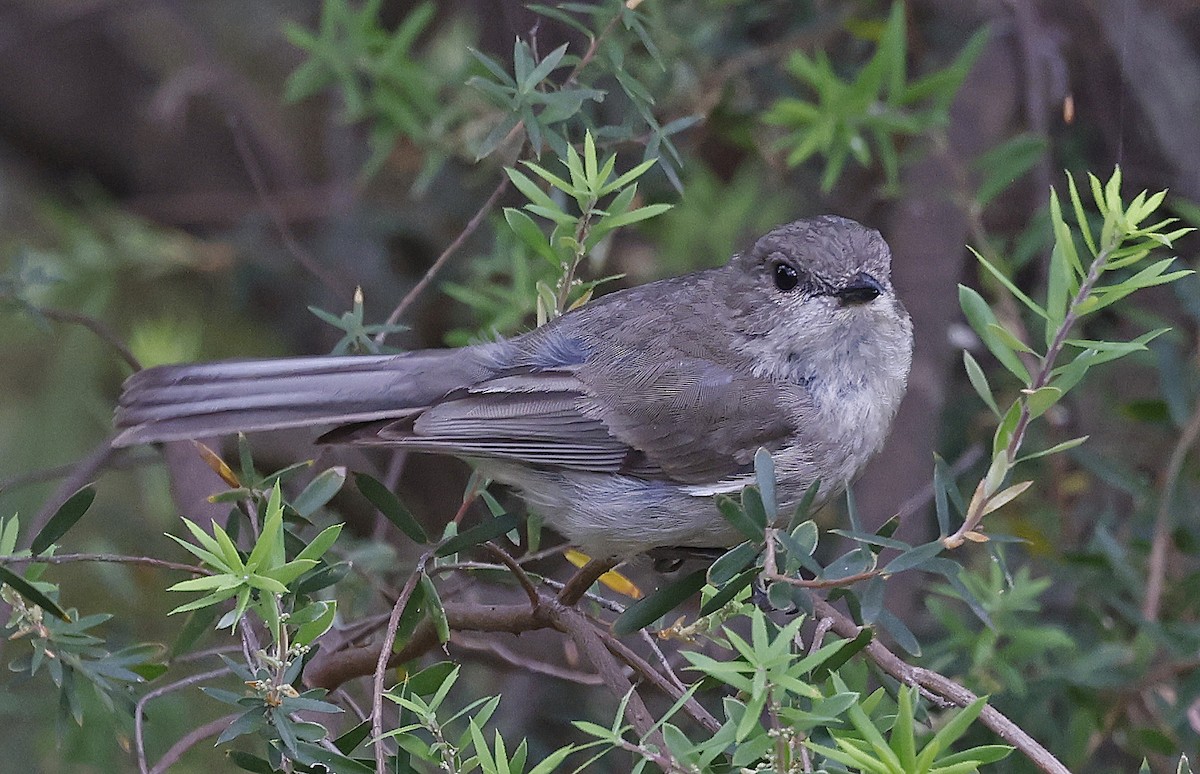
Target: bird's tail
[179,402]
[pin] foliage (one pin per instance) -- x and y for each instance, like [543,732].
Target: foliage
[575,237]
[875,109]
[789,646]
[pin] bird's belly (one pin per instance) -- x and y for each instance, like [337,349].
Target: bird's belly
[608,515]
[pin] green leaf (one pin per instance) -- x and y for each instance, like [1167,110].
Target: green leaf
[903,738]
[1040,400]
[206,601]
[531,190]
[390,506]
[732,563]
[1009,338]
[63,519]
[231,559]
[433,606]
[1005,430]
[207,583]
[538,74]
[636,216]
[321,543]
[764,475]
[728,591]
[30,593]
[957,725]
[914,557]
[530,234]
[290,571]
[319,491]
[736,515]
[979,382]
[489,529]
[1055,449]
[648,610]
[980,316]
[1000,499]
[268,549]
[900,632]
[1008,285]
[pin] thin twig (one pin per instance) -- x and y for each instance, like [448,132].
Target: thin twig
[491,647]
[580,629]
[212,728]
[581,581]
[770,571]
[943,687]
[450,250]
[517,571]
[662,659]
[1156,571]
[147,561]
[139,737]
[643,667]
[42,475]
[302,256]
[83,472]
[385,650]
[978,506]
[102,331]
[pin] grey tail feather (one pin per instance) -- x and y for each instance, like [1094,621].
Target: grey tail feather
[195,401]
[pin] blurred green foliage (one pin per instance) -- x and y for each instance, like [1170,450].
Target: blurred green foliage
[602,115]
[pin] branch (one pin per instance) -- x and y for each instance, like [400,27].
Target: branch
[450,250]
[331,282]
[381,663]
[942,687]
[140,711]
[580,629]
[147,561]
[82,473]
[177,750]
[102,331]
[1157,564]
[581,581]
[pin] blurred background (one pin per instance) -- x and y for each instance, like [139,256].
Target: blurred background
[180,178]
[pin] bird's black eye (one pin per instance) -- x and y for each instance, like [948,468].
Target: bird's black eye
[786,277]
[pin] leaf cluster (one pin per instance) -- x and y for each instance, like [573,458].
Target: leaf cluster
[867,116]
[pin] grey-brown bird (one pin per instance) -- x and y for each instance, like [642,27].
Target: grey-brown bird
[618,422]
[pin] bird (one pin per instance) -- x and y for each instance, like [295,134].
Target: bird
[618,422]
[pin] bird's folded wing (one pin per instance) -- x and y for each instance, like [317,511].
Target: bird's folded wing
[684,420]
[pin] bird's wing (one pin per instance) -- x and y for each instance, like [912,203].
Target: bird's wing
[684,419]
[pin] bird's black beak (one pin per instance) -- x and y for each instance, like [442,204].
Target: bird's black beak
[861,289]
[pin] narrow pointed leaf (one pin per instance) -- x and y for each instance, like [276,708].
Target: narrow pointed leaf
[390,506]
[67,515]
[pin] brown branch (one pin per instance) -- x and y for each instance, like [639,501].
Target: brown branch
[1156,570]
[658,680]
[450,250]
[331,670]
[580,629]
[943,687]
[102,331]
[582,580]
[124,462]
[517,570]
[189,741]
[490,647]
[332,282]
[83,472]
[147,561]
[381,664]
[140,710]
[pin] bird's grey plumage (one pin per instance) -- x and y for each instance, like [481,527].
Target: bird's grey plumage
[618,421]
